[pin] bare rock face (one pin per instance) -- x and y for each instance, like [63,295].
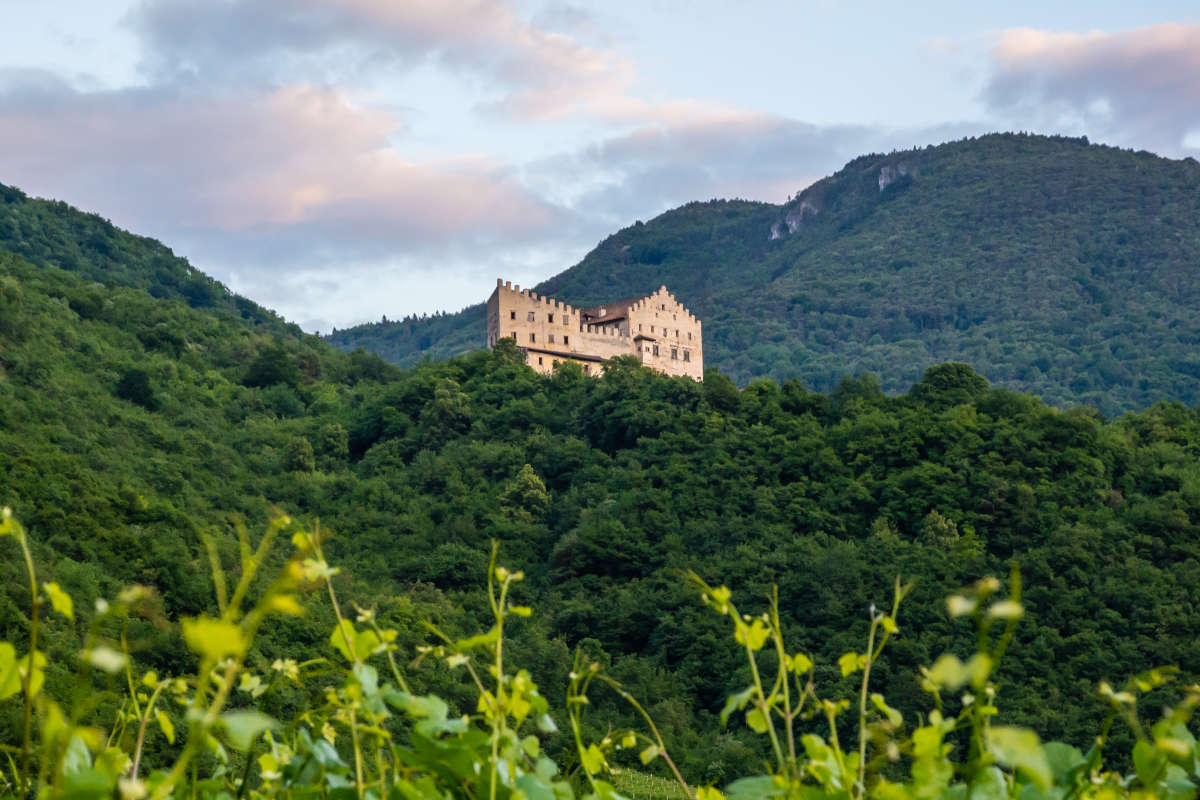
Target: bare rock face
[889,174]
[802,212]
[794,219]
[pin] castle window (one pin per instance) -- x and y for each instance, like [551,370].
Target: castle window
[550,318]
[539,361]
[566,320]
[529,317]
[512,315]
[514,336]
[652,329]
[533,337]
[689,336]
[587,369]
[655,349]
[674,354]
[550,338]
[687,355]
[639,327]
[566,340]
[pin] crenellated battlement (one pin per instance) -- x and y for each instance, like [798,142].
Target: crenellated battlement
[533,296]
[656,328]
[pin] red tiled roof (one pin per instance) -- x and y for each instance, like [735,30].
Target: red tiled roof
[613,311]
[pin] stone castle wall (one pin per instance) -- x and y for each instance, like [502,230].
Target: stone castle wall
[657,329]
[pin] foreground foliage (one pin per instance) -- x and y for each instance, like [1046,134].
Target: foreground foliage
[355,733]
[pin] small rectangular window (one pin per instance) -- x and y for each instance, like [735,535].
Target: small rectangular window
[639,327]
[587,368]
[566,340]
[674,354]
[514,336]
[689,336]
[687,355]
[566,320]
[529,317]
[652,329]
[512,315]
[550,317]
[550,339]
[533,337]
[655,349]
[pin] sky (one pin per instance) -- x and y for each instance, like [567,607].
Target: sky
[344,160]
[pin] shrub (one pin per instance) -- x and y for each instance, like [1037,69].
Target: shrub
[365,734]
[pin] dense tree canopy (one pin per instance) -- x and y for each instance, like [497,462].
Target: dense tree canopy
[602,490]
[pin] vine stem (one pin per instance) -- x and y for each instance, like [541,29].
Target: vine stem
[762,699]
[353,651]
[499,711]
[662,747]
[145,721]
[358,761]
[249,626]
[777,635]
[27,678]
[860,780]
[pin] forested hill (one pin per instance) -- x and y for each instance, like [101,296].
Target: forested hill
[50,233]
[134,427]
[121,446]
[1051,265]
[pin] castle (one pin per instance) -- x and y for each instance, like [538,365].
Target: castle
[656,329]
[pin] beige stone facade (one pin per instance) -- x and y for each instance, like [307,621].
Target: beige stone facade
[656,329]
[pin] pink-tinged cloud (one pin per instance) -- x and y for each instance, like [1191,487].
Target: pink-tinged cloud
[1140,85]
[535,73]
[529,72]
[295,161]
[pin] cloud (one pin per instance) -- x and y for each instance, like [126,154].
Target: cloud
[744,155]
[252,147]
[538,73]
[527,71]
[293,172]
[1136,87]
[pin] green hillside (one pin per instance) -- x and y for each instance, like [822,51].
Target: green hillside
[51,233]
[1052,266]
[120,446]
[135,427]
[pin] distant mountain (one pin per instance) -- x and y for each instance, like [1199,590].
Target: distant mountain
[1051,265]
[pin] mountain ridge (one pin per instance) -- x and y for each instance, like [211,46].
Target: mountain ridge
[1052,265]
